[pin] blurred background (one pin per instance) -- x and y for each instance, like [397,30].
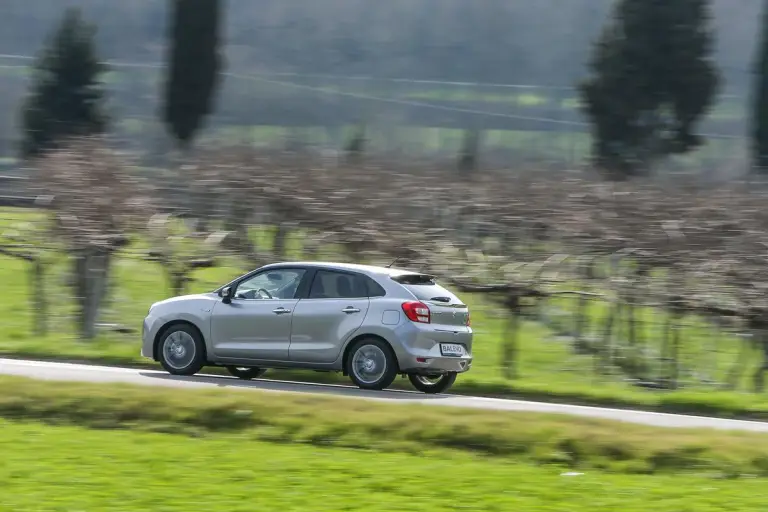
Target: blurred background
[417,75]
[587,173]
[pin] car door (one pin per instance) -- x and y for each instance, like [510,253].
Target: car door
[257,323]
[333,310]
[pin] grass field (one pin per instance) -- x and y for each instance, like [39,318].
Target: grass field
[548,370]
[566,442]
[57,469]
[72,446]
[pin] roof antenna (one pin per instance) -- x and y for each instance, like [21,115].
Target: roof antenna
[395,261]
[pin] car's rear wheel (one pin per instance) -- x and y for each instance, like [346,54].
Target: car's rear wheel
[433,384]
[246,373]
[372,364]
[182,351]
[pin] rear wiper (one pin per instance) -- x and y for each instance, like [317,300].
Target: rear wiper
[441,299]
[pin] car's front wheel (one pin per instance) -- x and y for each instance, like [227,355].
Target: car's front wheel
[182,351]
[433,384]
[372,364]
[246,373]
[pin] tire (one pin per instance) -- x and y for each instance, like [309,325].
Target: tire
[433,384]
[181,350]
[372,364]
[246,373]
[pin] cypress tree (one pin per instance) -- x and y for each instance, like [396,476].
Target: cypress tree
[652,79]
[66,97]
[193,68]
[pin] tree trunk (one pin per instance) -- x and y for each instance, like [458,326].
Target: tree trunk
[604,355]
[281,234]
[761,337]
[670,353]
[178,282]
[91,273]
[237,223]
[631,299]
[675,359]
[634,360]
[510,348]
[311,249]
[580,345]
[738,367]
[38,298]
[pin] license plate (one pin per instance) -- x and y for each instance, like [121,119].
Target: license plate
[451,349]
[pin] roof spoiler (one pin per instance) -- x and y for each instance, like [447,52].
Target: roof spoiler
[414,278]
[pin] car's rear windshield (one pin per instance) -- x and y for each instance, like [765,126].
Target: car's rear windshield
[424,287]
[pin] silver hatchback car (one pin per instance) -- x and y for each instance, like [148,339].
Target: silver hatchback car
[371,323]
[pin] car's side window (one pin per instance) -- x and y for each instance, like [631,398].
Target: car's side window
[374,288]
[271,284]
[328,284]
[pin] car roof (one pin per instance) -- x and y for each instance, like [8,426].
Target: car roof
[365,269]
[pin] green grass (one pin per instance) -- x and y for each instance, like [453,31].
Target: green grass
[71,446]
[58,468]
[567,443]
[547,368]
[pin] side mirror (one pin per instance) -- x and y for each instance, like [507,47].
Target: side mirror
[226,295]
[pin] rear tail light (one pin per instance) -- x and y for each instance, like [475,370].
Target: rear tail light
[416,312]
[468,320]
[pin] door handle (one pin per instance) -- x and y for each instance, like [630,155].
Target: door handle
[281,311]
[350,309]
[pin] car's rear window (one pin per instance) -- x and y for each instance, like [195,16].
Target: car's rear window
[424,287]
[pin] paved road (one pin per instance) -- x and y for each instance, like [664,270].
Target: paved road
[102,374]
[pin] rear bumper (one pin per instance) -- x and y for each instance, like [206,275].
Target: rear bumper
[418,350]
[431,366]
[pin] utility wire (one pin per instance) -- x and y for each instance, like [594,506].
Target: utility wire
[261,77]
